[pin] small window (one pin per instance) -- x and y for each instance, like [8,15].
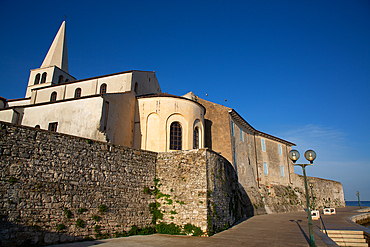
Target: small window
[43,78]
[53,126]
[175,136]
[282,171]
[53,97]
[78,93]
[136,87]
[103,88]
[263,144]
[280,150]
[67,80]
[61,79]
[106,116]
[234,158]
[232,128]
[265,168]
[37,79]
[196,138]
[241,135]
[37,126]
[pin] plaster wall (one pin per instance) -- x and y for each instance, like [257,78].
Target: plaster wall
[6,115]
[81,117]
[157,114]
[115,84]
[147,83]
[120,120]
[217,128]
[19,102]
[274,161]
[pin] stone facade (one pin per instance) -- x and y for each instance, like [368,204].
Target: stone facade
[43,174]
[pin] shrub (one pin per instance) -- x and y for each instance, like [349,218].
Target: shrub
[103,208]
[171,229]
[67,213]
[61,227]
[97,228]
[96,218]
[81,210]
[190,229]
[80,223]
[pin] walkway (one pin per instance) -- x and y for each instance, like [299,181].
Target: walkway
[288,229]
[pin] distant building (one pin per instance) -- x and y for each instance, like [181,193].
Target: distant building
[129,109]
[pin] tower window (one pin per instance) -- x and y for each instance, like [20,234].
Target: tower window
[43,78]
[61,79]
[53,126]
[196,138]
[175,136]
[78,93]
[103,88]
[53,97]
[37,79]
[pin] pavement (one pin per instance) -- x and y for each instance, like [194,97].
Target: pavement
[285,229]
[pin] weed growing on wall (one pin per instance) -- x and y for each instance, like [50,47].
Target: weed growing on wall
[103,208]
[67,213]
[80,223]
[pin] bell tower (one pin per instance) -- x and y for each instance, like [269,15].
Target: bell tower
[54,68]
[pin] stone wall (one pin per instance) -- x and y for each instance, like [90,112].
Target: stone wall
[200,187]
[45,175]
[326,193]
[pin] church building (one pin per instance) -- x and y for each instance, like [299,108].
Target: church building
[129,109]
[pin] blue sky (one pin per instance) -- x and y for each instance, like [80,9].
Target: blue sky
[299,70]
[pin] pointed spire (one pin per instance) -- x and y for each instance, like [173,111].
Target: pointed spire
[57,54]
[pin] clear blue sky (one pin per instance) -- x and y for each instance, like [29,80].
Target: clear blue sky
[299,70]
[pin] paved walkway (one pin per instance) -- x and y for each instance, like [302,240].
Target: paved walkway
[287,229]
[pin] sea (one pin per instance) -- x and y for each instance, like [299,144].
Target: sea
[363,204]
[355,203]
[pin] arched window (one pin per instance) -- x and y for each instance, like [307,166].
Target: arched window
[37,79]
[61,79]
[53,97]
[103,88]
[43,78]
[78,93]
[175,136]
[37,126]
[196,138]
[136,87]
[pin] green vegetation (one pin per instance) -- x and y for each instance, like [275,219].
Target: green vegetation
[171,229]
[97,228]
[80,223]
[156,213]
[61,227]
[146,190]
[103,208]
[96,218]
[67,213]
[190,229]
[82,210]
[12,180]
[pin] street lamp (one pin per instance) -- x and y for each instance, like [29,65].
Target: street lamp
[358,197]
[310,155]
[313,199]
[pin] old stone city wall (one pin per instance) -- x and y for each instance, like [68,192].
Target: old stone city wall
[51,181]
[51,184]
